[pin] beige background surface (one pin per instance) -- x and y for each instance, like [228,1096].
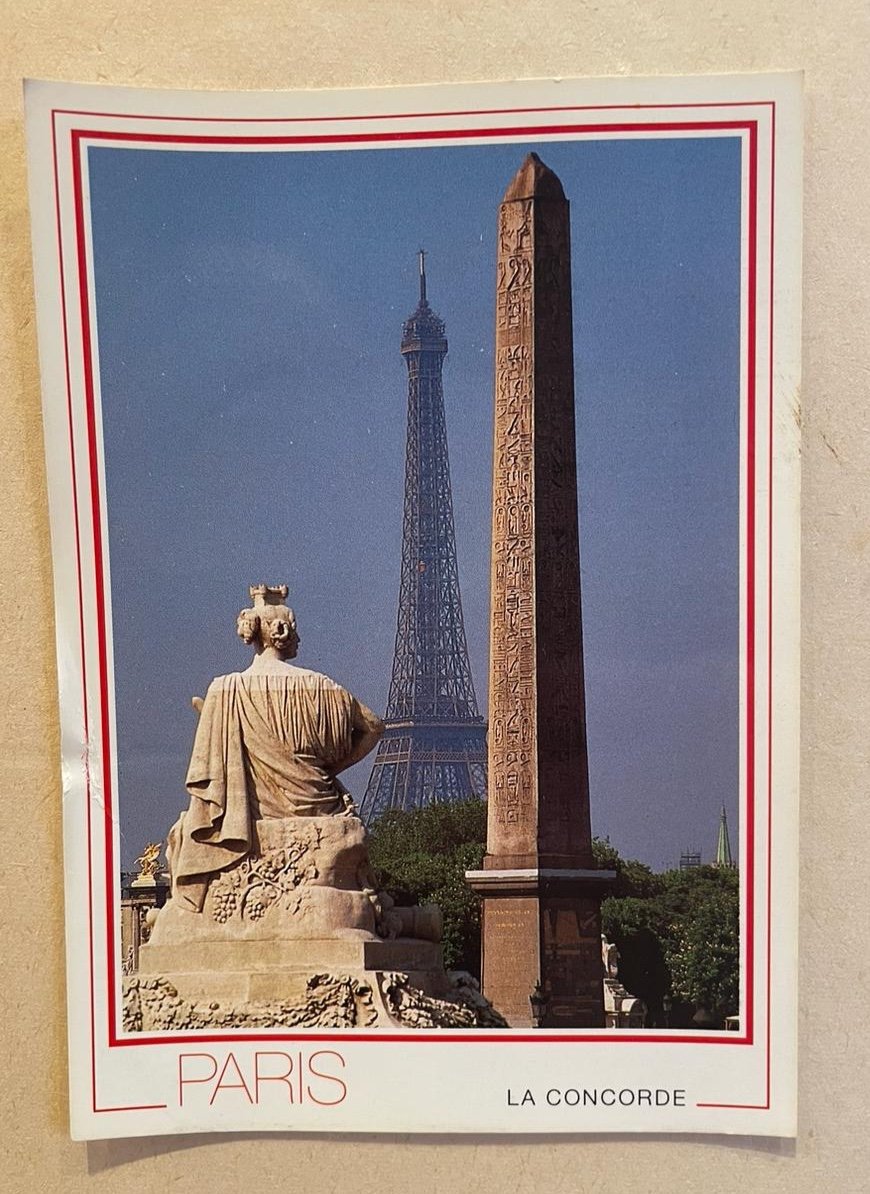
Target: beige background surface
[286,43]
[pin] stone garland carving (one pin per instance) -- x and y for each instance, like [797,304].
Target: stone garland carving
[248,889]
[330,1001]
[152,1004]
[464,1007]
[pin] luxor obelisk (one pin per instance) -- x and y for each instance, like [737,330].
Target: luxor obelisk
[541,891]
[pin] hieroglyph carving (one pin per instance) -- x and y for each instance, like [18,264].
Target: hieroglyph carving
[561,733]
[512,646]
[537,718]
[540,917]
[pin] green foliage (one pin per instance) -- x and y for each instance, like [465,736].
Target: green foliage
[682,890]
[606,856]
[677,932]
[633,879]
[421,857]
[703,946]
[634,925]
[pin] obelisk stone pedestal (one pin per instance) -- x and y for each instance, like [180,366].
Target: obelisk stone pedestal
[540,887]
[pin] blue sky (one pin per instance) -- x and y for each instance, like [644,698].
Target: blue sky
[249,315]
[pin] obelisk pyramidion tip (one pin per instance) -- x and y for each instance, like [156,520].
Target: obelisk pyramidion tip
[534,180]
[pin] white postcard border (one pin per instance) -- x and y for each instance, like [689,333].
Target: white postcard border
[403,1081]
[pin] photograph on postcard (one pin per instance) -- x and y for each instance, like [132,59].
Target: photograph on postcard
[418,571]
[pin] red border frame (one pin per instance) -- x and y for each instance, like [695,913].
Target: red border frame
[78,136]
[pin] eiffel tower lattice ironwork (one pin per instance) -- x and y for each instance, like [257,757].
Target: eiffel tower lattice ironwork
[434,746]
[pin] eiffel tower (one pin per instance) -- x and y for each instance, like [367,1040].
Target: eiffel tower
[434,746]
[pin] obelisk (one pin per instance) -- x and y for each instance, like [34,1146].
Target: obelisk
[541,953]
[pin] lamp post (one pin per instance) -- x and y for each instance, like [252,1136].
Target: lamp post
[538,1001]
[666,1008]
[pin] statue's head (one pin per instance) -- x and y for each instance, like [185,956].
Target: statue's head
[269,622]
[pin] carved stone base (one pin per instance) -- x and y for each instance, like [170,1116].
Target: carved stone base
[305,877]
[277,971]
[541,926]
[295,936]
[621,1008]
[378,999]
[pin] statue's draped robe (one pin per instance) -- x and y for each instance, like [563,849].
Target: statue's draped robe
[265,746]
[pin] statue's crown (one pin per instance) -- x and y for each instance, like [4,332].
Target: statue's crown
[268,595]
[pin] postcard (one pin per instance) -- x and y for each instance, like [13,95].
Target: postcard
[423,471]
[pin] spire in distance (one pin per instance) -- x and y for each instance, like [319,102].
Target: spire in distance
[724,857]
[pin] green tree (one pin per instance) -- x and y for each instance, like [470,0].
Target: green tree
[634,926]
[421,857]
[633,879]
[677,932]
[702,947]
[683,891]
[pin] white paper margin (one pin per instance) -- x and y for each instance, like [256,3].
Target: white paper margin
[412,1085]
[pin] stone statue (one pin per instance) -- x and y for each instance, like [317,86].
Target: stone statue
[621,1008]
[274,917]
[609,957]
[270,744]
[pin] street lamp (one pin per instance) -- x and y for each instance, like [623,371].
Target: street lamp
[538,1001]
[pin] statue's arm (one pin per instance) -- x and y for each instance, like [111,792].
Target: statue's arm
[365,735]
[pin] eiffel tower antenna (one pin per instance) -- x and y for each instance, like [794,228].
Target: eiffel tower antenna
[434,747]
[422,255]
